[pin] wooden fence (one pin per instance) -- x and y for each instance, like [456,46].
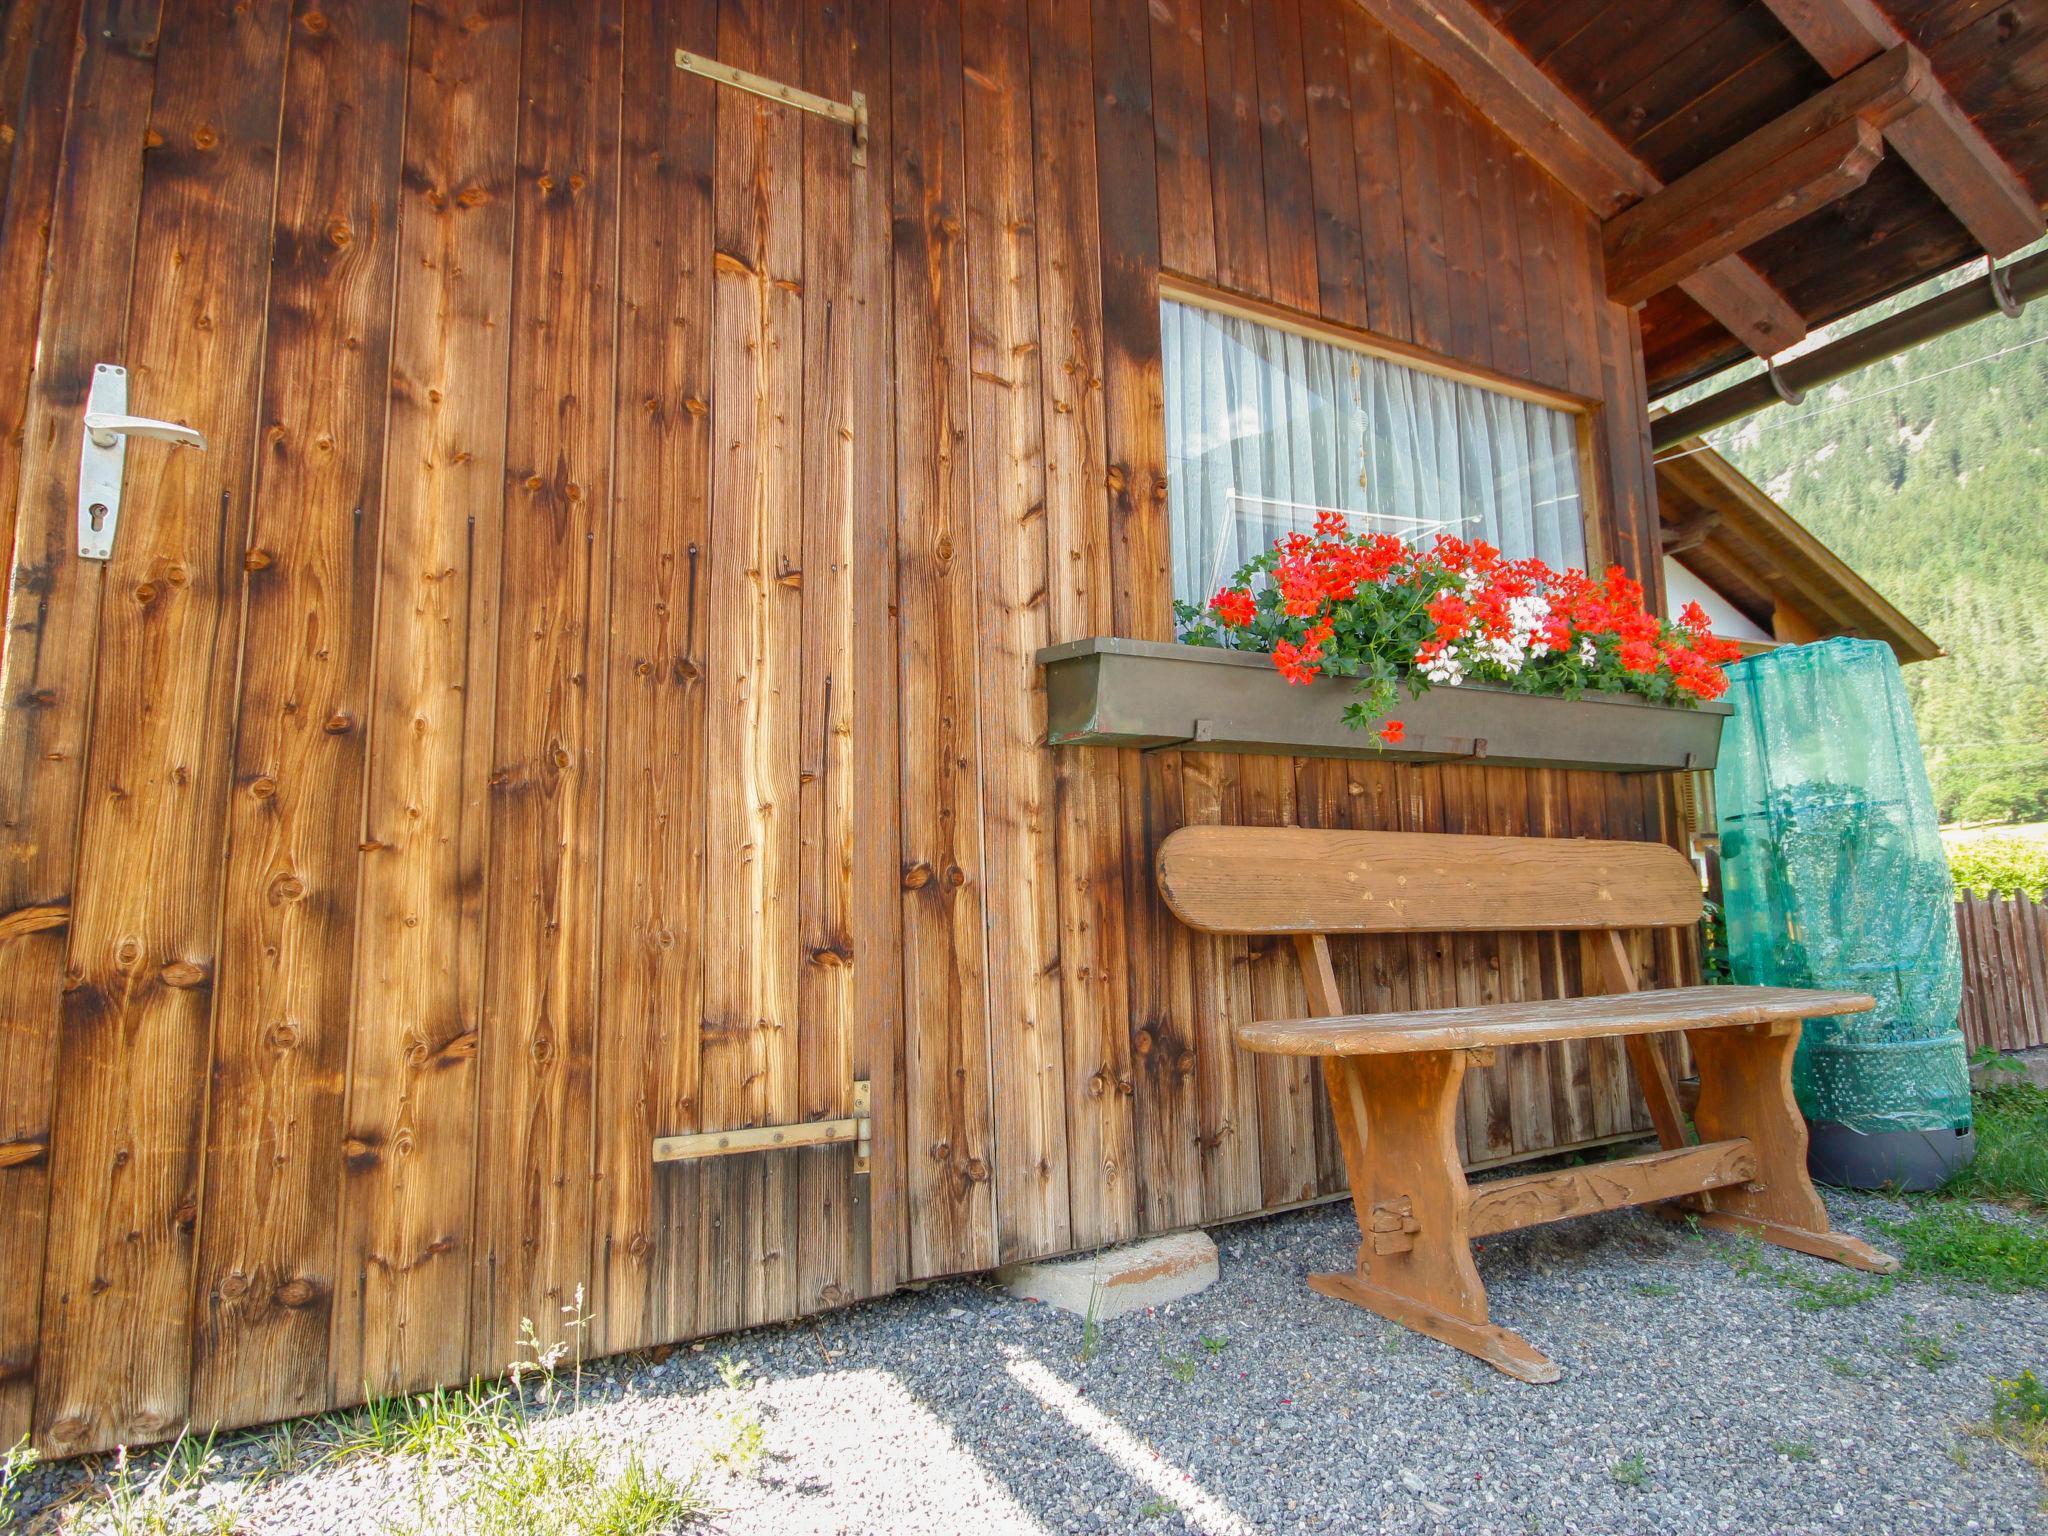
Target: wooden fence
[2005,971]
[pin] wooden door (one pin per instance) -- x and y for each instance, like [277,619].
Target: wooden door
[481,760]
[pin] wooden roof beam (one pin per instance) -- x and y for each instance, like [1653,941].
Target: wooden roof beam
[1568,142]
[1823,148]
[1944,148]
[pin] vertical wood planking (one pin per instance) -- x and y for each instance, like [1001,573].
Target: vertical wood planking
[1006,439]
[878,1051]
[1236,152]
[950,1117]
[1219,982]
[539,1038]
[1499,213]
[1341,263]
[408,1148]
[1285,1089]
[1163,1034]
[651,945]
[99,110]
[36,56]
[752,1022]
[1180,127]
[1088,804]
[267,1276]
[828,1271]
[1464,235]
[1291,261]
[126,1165]
[1134,430]
[1376,142]
[1533,229]
[1418,126]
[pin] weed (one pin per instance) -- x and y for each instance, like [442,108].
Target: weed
[169,1501]
[1793,1450]
[1948,1238]
[1631,1471]
[1215,1344]
[1655,1288]
[1091,1328]
[439,1425]
[565,1486]
[2019,1418]
[1154,1509]
[743,1438]
[1925,1348]
[15,1467]
[1960,1455]
[1182,1368]
[2021,1403]
[1847,1369]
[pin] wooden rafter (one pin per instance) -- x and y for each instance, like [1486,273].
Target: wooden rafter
[1939,142]
[1823,148]
[1567,141]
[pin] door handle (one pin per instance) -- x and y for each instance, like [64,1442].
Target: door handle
[104,428]
[103,456]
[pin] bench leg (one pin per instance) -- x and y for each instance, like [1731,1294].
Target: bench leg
[1746,1090]
[1415,1251]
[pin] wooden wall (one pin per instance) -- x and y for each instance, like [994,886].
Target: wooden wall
[585,692]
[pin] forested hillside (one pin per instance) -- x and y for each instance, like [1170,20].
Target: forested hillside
[1929,474]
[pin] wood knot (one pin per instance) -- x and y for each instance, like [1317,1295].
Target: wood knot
[917,877]
[314,21]
[256,560]
[263,787]
[182,974]
[205,137]
[285,888]
[339,234]
[297,1292]
[233,1286]
[339,724]
[472,196]
[282,1036]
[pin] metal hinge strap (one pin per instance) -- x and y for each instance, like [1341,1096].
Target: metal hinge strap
[853,114]
[856,1128]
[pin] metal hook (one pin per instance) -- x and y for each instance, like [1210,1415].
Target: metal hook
[1784,387]
[2001,290]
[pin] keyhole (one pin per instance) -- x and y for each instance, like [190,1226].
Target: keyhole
[98,513]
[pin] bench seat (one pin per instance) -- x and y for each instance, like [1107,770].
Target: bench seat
[1527,1023]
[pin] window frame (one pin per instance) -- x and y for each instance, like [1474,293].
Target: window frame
[1585,410]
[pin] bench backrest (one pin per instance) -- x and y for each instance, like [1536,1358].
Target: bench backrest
[1306,880]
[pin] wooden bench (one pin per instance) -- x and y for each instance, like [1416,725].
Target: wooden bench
[1394,1079]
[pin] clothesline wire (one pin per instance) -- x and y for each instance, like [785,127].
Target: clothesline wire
[1772,424]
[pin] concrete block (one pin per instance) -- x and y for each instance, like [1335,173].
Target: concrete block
[2033,1068]
[1118,1280]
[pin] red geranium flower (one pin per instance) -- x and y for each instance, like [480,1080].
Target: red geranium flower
[1392,732]
[1233,606]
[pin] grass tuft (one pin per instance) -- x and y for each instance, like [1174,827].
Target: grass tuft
[1811,1294]
[1949,1239]
[1793,1450]
[1631,1471]
[2012,1147]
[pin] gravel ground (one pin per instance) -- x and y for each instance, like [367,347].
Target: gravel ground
[956,1409]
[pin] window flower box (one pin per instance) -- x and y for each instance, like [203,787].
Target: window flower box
[1110,692]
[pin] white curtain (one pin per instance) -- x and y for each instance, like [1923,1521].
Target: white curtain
[1264,427]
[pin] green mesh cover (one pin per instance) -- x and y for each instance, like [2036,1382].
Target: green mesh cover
[1833,875]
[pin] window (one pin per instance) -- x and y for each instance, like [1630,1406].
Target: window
[1265,426]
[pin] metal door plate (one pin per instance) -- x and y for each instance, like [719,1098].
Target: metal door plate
[100,469]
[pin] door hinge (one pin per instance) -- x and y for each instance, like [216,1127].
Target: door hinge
[853,114]
[856,1128]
